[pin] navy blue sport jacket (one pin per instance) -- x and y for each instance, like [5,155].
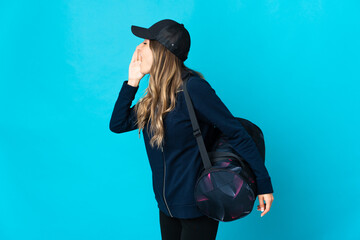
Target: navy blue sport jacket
[175,166]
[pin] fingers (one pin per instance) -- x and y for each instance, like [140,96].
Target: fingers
[258,207]
[261,203]
[265,208]
[135,56]
[133,59]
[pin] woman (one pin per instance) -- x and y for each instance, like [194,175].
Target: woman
[168,135]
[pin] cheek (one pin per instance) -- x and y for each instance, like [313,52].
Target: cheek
[149,54]
[150,57]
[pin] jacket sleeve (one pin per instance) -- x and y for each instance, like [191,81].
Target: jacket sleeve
[209,108]
[123,118]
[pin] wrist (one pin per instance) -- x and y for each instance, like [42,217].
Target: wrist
[133,82]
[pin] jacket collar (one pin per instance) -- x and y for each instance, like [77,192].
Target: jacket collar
[185,74]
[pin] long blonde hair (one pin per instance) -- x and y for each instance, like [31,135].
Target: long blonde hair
[164,83]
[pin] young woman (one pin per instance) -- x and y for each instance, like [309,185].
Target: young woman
[163,117]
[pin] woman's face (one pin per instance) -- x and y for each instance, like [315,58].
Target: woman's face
[146,56]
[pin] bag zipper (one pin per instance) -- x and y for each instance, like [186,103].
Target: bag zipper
[162,149]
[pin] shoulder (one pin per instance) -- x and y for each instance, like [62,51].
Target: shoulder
[197,84]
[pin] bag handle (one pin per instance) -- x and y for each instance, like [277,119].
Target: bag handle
[196,129]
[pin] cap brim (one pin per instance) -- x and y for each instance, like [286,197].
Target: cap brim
[141,32]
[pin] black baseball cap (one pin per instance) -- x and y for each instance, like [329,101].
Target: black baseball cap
[171,34]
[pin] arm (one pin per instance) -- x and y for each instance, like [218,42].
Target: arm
[209,108]
[123,118]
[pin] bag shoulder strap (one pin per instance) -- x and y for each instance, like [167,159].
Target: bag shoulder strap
[196,129]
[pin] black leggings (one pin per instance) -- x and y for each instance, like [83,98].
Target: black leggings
[201,228]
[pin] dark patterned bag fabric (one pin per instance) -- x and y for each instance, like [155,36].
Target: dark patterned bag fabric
[227,190]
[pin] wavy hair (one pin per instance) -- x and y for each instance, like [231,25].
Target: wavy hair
[164,83]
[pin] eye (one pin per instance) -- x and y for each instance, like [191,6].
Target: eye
[145,43]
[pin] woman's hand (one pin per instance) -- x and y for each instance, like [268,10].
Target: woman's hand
[134,68]
[265,207]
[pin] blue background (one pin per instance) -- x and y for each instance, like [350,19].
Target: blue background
[292,67]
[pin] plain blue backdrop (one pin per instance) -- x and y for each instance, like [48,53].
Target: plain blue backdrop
[292,67]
